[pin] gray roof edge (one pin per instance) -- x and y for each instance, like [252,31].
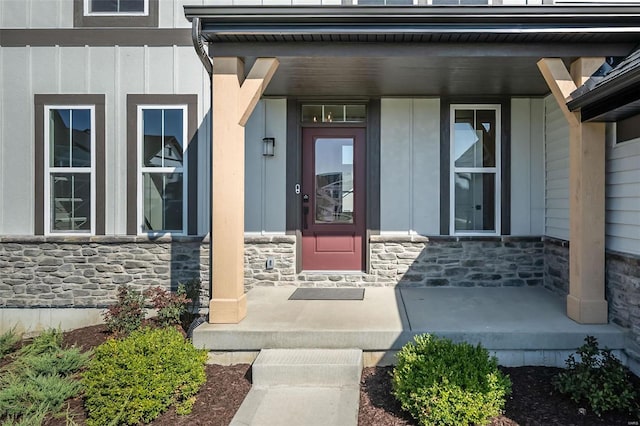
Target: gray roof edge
[606,89]
[515,14]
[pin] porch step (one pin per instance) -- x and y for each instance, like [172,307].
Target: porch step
[307,367]
[303,387]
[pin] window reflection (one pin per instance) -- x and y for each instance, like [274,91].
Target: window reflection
[334,180]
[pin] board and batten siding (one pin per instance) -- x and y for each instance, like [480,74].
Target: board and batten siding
[265,177]
[527,166]
[556,163]
[622,193]
[112,71]
[410,166]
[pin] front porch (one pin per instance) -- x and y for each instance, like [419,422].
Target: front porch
[522,326]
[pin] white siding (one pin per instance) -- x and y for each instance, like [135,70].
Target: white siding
[112,71]
[623,195]
[410,166]
[527,167]
[556,171]
[265,177]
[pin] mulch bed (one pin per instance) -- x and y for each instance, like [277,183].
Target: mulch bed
[533,401]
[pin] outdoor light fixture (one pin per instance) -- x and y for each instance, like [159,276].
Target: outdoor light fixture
[268,147]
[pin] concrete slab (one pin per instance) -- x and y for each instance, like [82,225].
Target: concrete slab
[502,319]
[307,367]
[290,405]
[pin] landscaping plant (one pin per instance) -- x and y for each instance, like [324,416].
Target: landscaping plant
[127,313]
[8,342]
[444,383]
[135,379]
[39,380]
[598,379]
[170,306]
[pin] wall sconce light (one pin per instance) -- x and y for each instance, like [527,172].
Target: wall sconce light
[268,147]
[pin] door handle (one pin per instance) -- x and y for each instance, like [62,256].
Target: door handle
[305,211]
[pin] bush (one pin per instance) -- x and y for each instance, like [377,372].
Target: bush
[598,379]
[135,379]
[170,306]
[442,383]
[8,342]
[126,314]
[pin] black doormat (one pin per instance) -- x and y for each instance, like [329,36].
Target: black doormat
[328,294]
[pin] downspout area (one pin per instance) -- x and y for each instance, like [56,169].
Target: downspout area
[196,37]
[198,45]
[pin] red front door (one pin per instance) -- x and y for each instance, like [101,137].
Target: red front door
[333,205]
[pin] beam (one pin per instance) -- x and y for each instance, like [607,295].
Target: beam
[234,99]
[585,301]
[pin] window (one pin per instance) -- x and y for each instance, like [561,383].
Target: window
[115,13]
[69,165]
[336,113]
[475,169]
[69,170]
[628,129]
[116,7]
[162,164]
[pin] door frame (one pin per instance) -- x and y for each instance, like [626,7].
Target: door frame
[294,169]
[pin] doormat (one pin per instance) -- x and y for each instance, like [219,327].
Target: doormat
[328,294]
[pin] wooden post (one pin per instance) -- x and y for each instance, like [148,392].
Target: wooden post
[585,301]
[234,99]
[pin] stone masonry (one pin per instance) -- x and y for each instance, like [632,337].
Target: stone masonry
[623,295]
[409,261]
[83,272]
[556,265]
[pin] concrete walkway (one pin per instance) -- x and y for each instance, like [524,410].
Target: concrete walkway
[303,387]
[522,326]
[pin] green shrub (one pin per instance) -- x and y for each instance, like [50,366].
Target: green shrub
[442,383]
[135,379]
[126,314]
[8,342]
[39,380]
[598,379]
[170,306]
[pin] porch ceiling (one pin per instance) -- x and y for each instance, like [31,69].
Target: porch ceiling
[415,51]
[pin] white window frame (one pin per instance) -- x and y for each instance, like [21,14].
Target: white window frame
[184,169]
[48,169]
[88,12]
[496,170]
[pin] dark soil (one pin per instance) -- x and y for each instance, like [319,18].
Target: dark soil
[533,401]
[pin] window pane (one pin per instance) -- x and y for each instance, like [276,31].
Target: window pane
[104,5]
[333,113]
[475,138]
[312,113]
[334,180]
[356,113]
[152,129]
[70,202]
[475,201]
[59,138]
[131,5]
[81,137]
[162,201]
[173,135]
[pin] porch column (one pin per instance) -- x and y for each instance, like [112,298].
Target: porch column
[585,303]
[234,99]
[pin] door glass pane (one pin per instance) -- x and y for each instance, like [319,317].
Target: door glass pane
[357,113]
[70,202]
[333,113]
[162,201]
[334,194]
[475,138]
[475,201]
[312,113]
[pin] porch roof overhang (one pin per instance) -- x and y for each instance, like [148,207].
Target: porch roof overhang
[415,50]
[613,97]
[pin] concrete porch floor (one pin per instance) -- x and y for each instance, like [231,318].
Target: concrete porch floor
[522,326]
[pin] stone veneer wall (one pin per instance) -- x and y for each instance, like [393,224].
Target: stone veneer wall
[623,294]
[84,272]
[556,265]
[407,261]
